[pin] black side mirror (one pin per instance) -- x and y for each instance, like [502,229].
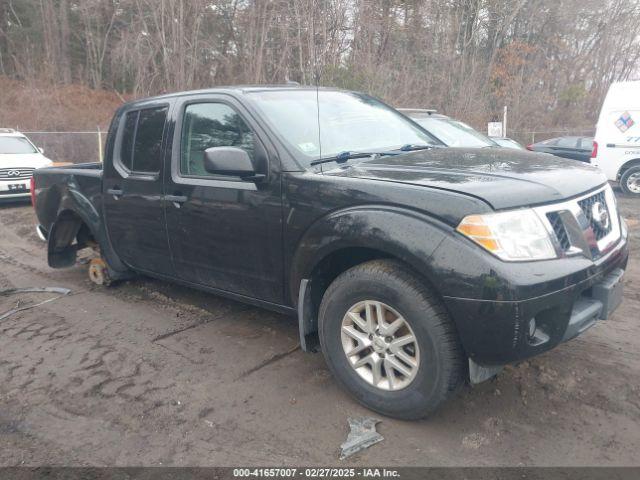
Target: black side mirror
[230,161]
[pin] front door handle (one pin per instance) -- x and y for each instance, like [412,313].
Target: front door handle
[116,192]
[176,199]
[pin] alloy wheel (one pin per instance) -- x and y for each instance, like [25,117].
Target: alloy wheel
[633,182]
[380,345]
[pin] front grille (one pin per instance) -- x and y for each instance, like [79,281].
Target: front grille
[15,173]
[587,208]
[559,230]
[588,225]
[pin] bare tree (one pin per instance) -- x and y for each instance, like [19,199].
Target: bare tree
[551,61]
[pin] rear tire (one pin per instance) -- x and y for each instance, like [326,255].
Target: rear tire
[396,293]
[630,181]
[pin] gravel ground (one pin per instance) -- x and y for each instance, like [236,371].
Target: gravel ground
[148,373]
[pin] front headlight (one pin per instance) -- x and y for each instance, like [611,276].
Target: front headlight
[516,235]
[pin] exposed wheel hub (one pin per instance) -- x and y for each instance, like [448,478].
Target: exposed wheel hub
[380,345]
[98,272]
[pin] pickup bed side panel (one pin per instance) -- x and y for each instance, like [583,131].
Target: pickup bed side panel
[62,192]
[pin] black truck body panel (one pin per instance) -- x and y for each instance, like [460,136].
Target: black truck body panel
[259,241]
[502,178]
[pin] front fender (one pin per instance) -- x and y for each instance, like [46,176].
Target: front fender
[398,232]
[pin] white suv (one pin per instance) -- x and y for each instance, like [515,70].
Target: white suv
[18,159]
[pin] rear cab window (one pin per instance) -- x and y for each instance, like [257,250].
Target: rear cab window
[586,143]
[142,133]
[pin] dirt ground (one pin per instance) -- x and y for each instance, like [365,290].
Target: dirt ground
[148,373]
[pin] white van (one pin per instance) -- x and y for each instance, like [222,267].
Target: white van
[616,148]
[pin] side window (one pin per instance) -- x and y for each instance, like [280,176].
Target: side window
[207,125]
[147,150]
[568,142]
[141,147]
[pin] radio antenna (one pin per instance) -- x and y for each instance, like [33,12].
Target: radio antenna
[316,78]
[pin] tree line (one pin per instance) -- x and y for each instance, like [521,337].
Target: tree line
[550,61]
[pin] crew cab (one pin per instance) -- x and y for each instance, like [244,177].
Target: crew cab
[18,159]
[413,267]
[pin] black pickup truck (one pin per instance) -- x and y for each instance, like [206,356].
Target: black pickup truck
[414,266]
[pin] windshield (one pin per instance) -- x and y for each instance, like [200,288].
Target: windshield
[454,133]
[349,122]
[14,145]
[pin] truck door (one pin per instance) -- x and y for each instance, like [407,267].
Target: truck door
[133,190]
[224,232]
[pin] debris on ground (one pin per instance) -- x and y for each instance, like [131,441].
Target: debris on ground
[12,291]
[363,434]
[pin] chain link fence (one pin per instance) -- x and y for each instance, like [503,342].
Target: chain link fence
[71,147]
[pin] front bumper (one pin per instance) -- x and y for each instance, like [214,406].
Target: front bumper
[15,196]
[9,192]
[571,295]
[599,303]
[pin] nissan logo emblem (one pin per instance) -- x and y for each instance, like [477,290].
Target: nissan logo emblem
[13,173]
[600,215]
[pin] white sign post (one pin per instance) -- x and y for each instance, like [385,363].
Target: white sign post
[494,129]
[504,122]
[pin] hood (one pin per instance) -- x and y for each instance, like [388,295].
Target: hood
[504,178]
[23,160]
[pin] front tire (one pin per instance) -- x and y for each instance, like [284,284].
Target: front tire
[389,341]
[630,181]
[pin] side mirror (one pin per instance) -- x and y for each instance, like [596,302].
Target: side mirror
[230,161]
[41,150]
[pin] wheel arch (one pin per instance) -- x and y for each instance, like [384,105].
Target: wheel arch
[635,162]
[77,222]
[350,237]
[68,227]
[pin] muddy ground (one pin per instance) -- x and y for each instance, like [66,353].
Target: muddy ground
[148,373]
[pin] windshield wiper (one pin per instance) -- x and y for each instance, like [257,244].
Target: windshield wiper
[344,156]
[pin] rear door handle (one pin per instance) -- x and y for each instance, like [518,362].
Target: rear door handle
[116,192]
[176,199]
